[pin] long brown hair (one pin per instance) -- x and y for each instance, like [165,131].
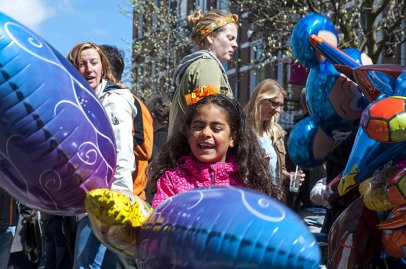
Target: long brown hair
[74,58]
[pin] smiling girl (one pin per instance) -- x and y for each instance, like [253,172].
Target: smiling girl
[215,146]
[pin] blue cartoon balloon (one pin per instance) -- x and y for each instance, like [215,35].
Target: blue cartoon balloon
[334,99]
[350,57]
[56,142]
[312,24]
[308,144]
[225,227]
[400,88]
[367,157]
[384,83]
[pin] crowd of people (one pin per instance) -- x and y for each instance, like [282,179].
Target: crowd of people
[201,137]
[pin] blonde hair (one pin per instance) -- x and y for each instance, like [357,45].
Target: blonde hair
[74,58]
[198,22]
[266,89]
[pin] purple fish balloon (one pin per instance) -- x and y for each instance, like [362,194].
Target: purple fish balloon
[225,227]
[56,142]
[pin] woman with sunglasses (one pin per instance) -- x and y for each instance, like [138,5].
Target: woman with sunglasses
[263,110]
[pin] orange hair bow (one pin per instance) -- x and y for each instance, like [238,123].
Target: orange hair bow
[199,93]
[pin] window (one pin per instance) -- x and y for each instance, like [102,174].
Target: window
[222,4]
[257,72]
[182,9]
[201,5]
[140,29]
[156,5]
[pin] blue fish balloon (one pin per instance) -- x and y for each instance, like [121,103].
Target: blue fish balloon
[225,227]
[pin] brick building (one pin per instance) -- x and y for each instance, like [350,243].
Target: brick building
[153,65]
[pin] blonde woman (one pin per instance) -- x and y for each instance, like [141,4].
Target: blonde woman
[263,110]
[216,34]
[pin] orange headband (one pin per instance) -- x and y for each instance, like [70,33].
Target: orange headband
[202,33]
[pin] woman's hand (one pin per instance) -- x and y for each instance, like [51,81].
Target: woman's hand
[301,176]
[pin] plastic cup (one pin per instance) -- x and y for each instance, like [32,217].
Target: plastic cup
[294,182]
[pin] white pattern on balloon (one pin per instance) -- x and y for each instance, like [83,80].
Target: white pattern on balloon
[201,194]
[91,153]
[37,44]
[161,208]
[50,180]
[263,203]
[7,157]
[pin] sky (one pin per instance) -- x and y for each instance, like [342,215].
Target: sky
[64,23]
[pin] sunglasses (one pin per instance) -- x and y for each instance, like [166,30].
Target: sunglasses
[275,104]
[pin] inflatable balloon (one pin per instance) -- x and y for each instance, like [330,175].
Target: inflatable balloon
[373,192]
[400,88]
[394,233]
[56,142]
[382,82]
[308,144]
[385,120]
[333,99]
[396,187]
[368,157]
[225,227]
[354,240]
[345,61]
[115,219]
[312,24]
[339,88]
[374,79]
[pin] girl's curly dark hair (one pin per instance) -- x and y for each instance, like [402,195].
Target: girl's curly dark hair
[254,168]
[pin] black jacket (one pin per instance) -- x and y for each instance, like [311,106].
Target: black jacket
[8,210]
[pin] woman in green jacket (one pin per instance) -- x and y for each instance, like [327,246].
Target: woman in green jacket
[216,34]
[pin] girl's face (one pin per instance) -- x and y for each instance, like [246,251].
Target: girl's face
[90,67]
[271,106]
[223,43]
[209,135]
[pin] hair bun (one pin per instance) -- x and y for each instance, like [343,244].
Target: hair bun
[193,19]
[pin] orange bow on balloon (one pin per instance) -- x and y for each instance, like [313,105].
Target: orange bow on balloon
[200,93]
